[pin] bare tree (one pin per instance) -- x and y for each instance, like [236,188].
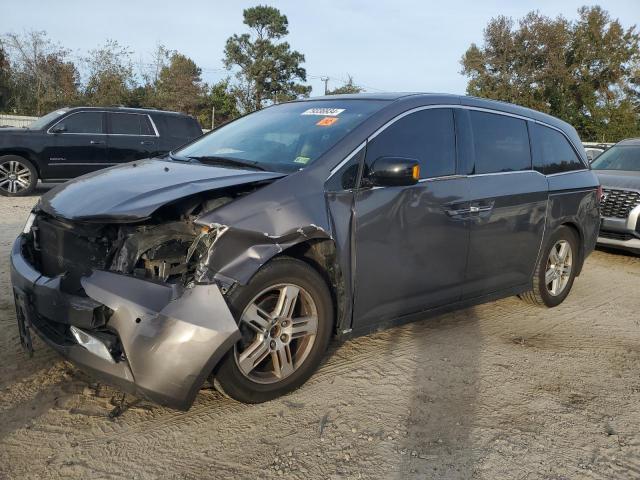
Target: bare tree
[43,77]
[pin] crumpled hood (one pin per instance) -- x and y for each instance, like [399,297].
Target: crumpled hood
[618,179]
[133,191]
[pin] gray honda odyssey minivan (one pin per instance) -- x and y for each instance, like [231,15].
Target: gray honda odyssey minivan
[238,256]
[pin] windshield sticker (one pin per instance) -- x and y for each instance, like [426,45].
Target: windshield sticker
[326,121]
[323,111]
[303,160]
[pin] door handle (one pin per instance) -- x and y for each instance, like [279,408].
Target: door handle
[146,142]
[456,212]
[481,207]
[96,142]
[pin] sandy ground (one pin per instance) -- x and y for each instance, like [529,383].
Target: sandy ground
[503,390]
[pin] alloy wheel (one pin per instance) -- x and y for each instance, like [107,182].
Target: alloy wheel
[559,266]
[14,177]
[279,328]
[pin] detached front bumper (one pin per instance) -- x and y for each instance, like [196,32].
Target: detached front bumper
[171,338]
[621,233]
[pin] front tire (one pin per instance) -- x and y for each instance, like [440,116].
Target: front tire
[285,315]
[556,270]
[18,176]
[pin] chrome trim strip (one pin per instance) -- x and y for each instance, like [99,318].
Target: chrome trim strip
[105,134]
[575,148]
[349,157]
[464,107]
[404,114]
[153,124]
[632,219]
[566,173]
[507,173]
[443,177]
[79,163]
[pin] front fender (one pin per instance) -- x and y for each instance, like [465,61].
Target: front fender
[237,254]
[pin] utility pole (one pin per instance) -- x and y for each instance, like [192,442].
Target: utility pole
[213,117]
[326,83]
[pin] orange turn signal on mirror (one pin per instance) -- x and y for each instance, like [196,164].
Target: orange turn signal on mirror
[415,172]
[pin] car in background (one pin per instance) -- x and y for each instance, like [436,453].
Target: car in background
[619,172]
[70,142]
[595,149]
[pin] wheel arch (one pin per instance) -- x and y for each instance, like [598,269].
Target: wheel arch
[26,154]
[321,255]
[573,226]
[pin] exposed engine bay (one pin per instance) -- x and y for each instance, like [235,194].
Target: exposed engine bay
[168,247]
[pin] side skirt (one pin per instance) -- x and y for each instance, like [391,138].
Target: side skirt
[433,312]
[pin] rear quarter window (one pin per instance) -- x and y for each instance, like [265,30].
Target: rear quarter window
[553,152]
[182,127]
[500,143]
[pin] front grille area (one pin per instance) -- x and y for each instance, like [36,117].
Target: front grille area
[619,203]
[616,235]
[69,249]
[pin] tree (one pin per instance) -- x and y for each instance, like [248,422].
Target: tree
[110,75]
[179,85]
[5,78]
[583,71]
[267,70]
[348,87]
[221,98]
[42,76]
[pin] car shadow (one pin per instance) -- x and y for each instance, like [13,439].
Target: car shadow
[617,251]
[443,397]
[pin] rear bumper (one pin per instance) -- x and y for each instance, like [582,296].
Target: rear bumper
[171,338]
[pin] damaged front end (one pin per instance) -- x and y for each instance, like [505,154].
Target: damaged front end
[132,303]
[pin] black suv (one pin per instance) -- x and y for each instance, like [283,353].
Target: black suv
[70,142]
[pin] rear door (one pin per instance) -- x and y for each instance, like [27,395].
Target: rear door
[78,145]
[508,202]
[411,242]
[132,136]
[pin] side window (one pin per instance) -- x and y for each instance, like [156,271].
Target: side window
[182,127]
[347,177]
[501,143]
[83,122]
[554,153]
[427,136]
[130,124]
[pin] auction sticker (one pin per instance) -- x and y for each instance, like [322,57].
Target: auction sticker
[325,112]
[326,121]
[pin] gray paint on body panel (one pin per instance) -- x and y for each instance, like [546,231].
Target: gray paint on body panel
[394,251]
[171,338]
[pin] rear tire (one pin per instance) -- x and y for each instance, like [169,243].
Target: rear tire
[555,271]
[282,345]
[18,176]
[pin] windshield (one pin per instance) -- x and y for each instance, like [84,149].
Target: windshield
[284,138]
[619,157]
[42,122]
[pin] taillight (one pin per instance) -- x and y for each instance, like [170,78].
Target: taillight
[599,194]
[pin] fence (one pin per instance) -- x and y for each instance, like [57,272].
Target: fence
[16,120]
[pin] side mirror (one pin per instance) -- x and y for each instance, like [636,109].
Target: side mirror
[394,172]
[59,128]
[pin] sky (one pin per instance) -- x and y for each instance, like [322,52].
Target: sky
[397,45]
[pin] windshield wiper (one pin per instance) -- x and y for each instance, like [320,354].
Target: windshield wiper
[177,158]
[228,161]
